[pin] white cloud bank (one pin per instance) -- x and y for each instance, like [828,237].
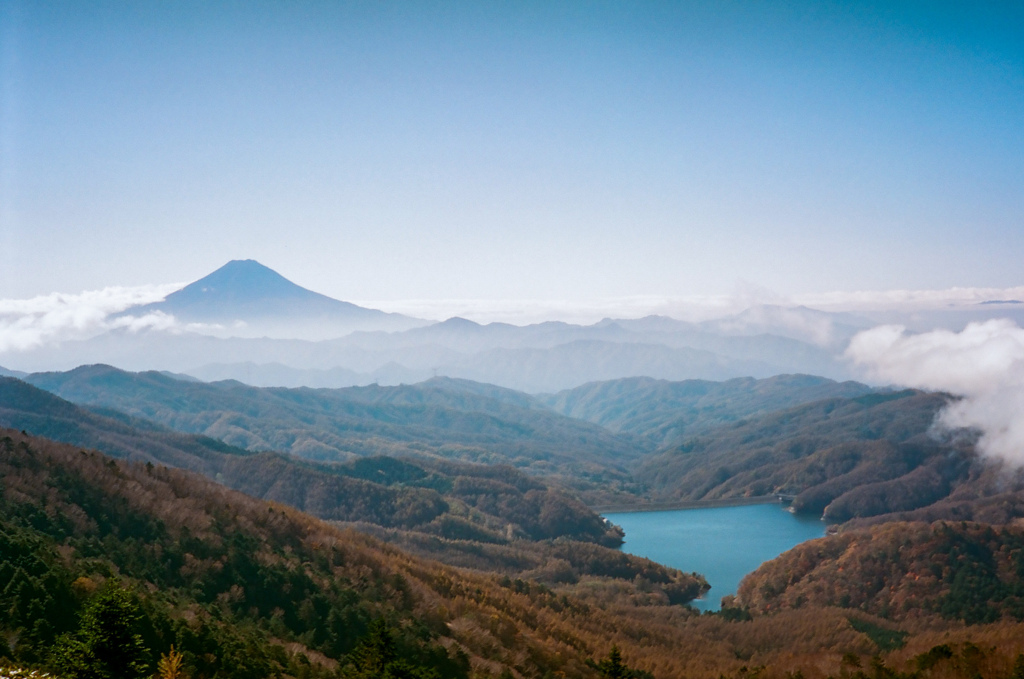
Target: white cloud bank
[28,323]
[984,363]
[691,307]
[907,300]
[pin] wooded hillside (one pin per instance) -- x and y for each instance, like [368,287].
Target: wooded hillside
[248,588]
[452,500]
[660,412]
[964,571]
[251,590]
[445,419]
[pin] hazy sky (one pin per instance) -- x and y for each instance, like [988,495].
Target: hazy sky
[389,150]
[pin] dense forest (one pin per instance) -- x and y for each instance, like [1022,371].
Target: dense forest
[873,457]
[95,549]
[964,571]
[449,499]
[242,588]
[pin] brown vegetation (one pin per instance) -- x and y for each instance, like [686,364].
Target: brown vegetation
[112,518]
[962,571]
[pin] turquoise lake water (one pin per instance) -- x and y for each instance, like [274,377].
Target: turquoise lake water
[722,543]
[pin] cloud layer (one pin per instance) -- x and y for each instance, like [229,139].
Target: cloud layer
[692,307]
[984,363]
[907,300]
[28,323]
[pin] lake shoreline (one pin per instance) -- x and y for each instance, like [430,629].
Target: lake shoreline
[693,504]
[724,542]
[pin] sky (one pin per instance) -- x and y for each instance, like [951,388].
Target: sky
[513,150]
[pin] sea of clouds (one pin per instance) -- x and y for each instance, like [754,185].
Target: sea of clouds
[983,364]
[29,323]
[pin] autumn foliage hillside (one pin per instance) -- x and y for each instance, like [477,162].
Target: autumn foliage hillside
[247,589]
[446,499]
[963,571]
[875,457]
[250,588]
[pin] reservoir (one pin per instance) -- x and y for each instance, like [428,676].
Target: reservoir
[721,543]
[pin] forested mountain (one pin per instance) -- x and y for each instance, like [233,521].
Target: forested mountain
[662,411]
[856,454]
[249,589]
[972,572]
[875,455]
[443,419]
[848,458]
[244,589]
[444,499]
[77,522]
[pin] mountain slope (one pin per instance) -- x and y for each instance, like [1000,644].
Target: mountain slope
[875,455]
[250,589]
[247,590]
[963,571]
[664,411]
[451,500]
[433,419]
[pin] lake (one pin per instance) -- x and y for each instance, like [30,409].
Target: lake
[721,543]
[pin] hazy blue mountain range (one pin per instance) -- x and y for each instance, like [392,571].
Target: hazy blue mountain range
[246,322]
[384,358]
[4,372]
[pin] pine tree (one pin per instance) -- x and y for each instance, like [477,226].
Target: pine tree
[106,645]
[612,666]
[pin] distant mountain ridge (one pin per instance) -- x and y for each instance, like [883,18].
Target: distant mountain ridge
[245,321]
[540,358]
[839,450]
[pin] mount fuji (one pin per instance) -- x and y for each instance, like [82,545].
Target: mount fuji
[244,298]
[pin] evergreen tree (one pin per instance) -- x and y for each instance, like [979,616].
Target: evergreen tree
[107,644]
[612,666]
[376,657]
[1018,667]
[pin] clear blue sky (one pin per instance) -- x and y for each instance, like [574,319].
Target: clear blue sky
[389,150]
